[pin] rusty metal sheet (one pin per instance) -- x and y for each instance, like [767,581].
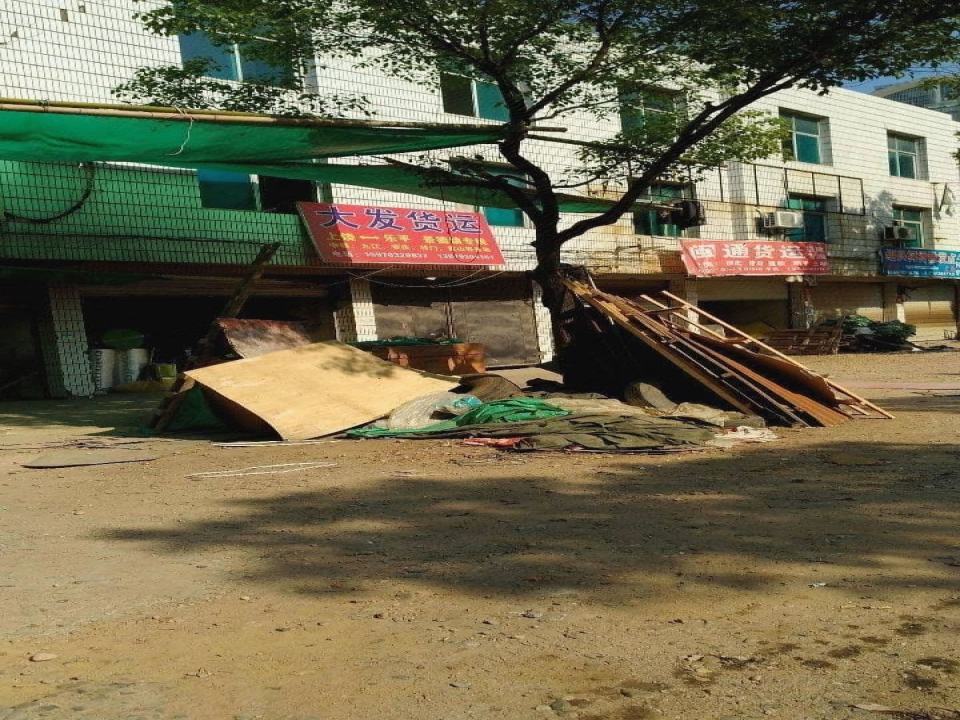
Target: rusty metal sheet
[251,338]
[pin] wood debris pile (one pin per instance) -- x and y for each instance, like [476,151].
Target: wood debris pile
[734,367]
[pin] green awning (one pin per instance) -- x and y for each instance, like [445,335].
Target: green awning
[37,136]
[254,144]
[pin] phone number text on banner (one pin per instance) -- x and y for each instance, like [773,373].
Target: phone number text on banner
[369,235]
[712,258]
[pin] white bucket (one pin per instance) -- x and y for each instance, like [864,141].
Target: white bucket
[103,364]
[129,364]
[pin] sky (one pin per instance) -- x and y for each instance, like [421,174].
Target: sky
[917,73]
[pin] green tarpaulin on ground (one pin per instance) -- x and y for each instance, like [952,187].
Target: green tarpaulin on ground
[512,410]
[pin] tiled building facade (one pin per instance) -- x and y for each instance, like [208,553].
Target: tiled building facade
[855,165]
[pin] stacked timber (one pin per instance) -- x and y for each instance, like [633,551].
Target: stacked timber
[738,369]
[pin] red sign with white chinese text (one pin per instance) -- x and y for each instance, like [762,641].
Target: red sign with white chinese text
[404,236]
[712,258]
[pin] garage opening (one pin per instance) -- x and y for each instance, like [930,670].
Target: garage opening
[497,313]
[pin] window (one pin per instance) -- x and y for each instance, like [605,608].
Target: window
[230,61]
[504,217]
[655,221]
[226,190]
[281,195]
[912,218]
[814,211]
[804,143]
[477,98]
[661,106]
[239,191]
[903,154]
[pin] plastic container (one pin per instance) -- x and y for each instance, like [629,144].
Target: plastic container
[129,365]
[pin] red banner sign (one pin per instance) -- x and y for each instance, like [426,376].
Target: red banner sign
[712,258]
[366,234]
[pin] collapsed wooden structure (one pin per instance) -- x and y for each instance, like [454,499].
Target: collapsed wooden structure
[745,373]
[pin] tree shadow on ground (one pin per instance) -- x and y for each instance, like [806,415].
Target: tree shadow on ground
[876,512]
[123,414]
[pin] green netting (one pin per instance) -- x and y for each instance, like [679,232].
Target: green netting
[63,137]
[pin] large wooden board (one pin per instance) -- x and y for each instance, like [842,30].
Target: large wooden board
[316,389]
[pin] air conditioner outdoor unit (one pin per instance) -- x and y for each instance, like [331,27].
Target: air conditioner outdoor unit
[898,232]
[783,220]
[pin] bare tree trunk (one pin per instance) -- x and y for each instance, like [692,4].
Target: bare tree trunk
[586,353]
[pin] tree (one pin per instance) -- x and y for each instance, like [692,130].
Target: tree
[553,59]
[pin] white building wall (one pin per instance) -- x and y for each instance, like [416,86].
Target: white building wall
[80,49]
[857,134]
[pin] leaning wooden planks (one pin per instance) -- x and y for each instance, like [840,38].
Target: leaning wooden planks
[736,370]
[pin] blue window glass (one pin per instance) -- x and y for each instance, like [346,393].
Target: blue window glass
[657,222]
[226,190]
[662,106]
[253,70]
[804,141]
[504,217]
[814,219]
[462,95]
[222,58]
[490,103]
[903,154]
[913,219]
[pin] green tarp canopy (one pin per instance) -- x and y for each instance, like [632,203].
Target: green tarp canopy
[37,136]
[256,145]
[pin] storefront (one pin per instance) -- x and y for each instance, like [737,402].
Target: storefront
[173,314]
[933,309]
[833,299]
[749,303]
[499,313]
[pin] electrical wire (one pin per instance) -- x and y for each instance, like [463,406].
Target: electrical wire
[89,172]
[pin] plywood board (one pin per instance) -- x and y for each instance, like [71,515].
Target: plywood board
[317,389]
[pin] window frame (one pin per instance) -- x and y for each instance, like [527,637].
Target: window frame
[895,155]
[633,117]
[253,184]
[820,214]
[517,212]
[238,63]
[503,115]
[791,148]
[919,224]
[644,220]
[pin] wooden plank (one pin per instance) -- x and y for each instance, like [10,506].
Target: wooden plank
[695,372]
[239,297]
[699,373]
[250,338]
[723,324]
[822,414]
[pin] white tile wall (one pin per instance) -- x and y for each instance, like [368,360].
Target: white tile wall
[100,44]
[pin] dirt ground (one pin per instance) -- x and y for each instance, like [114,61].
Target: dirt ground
[425,579]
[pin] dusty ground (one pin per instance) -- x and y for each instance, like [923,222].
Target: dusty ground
[428,580]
